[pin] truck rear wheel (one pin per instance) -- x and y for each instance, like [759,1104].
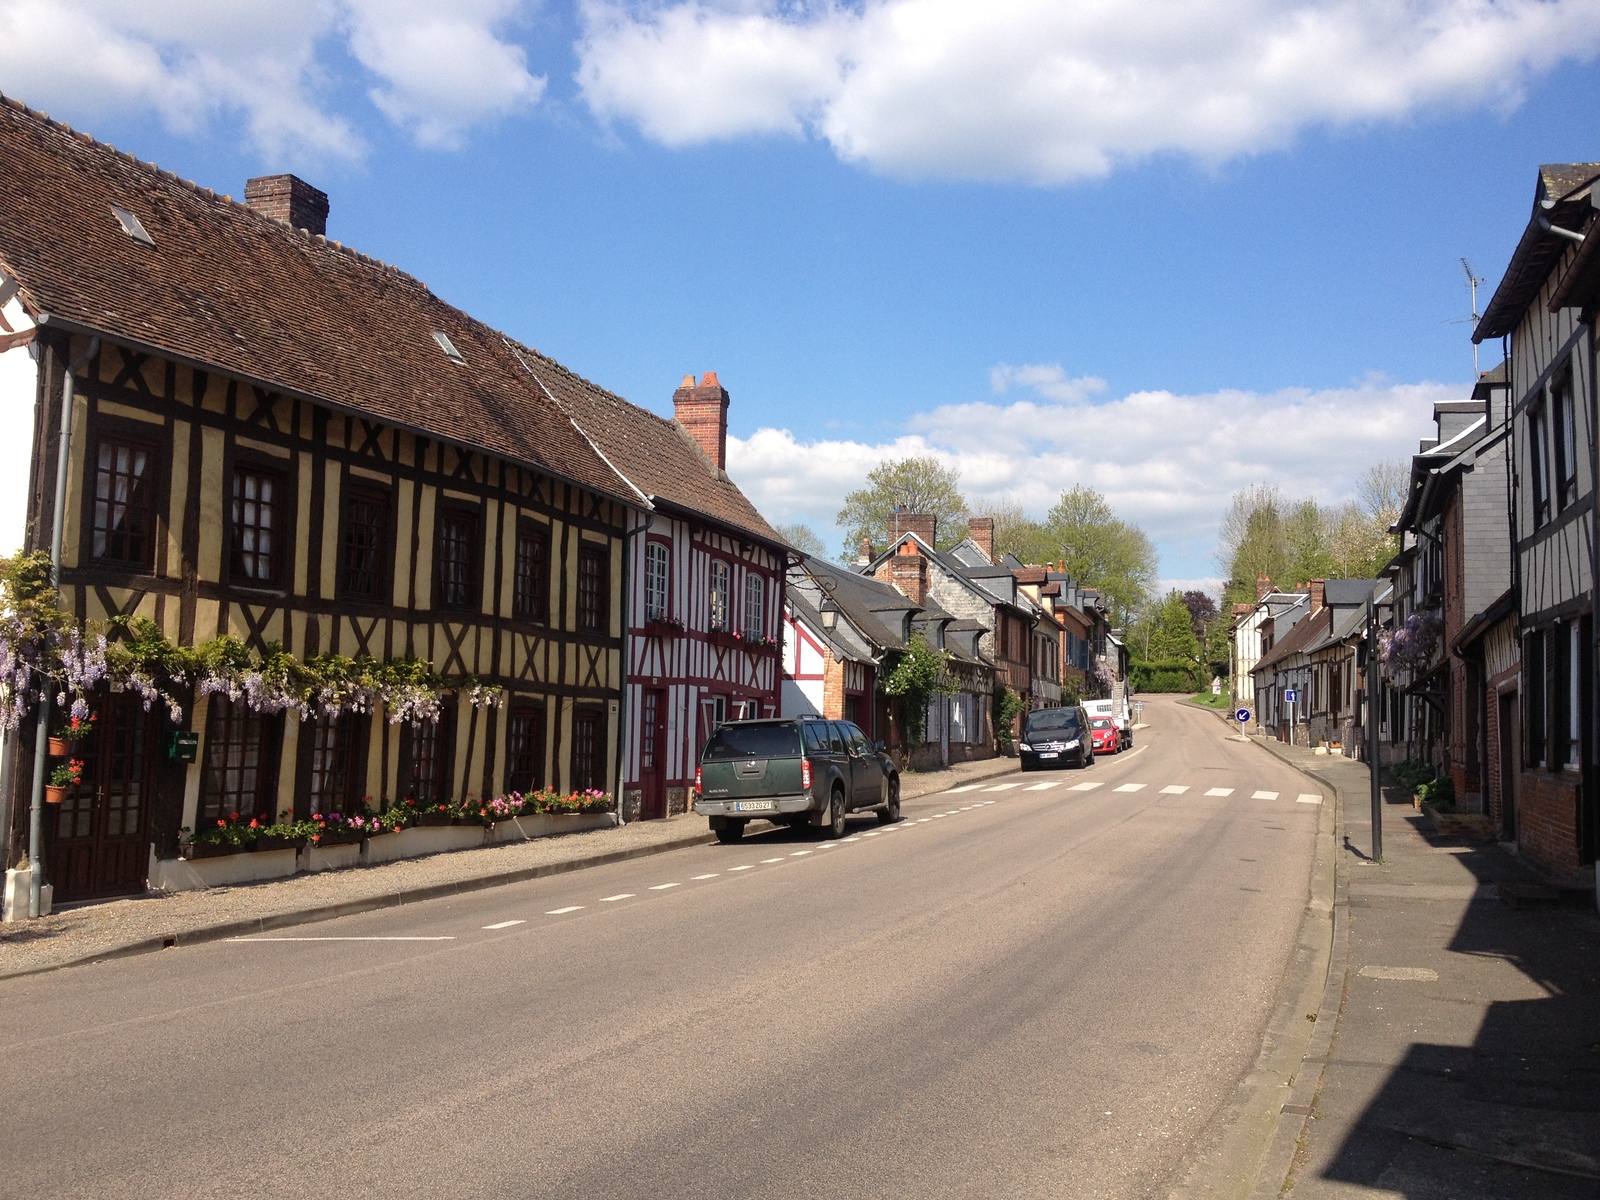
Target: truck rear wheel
[730,832]
[890,812]
[836,815]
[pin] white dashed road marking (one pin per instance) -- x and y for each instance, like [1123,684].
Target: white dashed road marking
[1174,789]
[970,787]
[1307,798]
[1263,795]
[798,853]
[771,860]
[1084,787]
[1220,792]
[923,820]
[1003,787]
[556,912]
[713,875]
[614,899]
[505,924]
[746,867]
[1130,787]
[661,887]
[1043,787]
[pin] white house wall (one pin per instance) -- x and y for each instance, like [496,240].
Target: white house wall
[19,388]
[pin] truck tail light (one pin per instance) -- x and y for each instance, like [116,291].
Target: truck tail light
[699,787]
[805,774]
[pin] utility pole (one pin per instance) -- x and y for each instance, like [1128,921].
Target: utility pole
[1373,755]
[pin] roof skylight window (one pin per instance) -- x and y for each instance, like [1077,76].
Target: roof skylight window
[447,346]
[133,227]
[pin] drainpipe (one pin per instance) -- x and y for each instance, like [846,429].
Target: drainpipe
[63,454]
[627,646]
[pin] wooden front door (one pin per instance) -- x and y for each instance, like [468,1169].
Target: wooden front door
[652,754]
[102,829]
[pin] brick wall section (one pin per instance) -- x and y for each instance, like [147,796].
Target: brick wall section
[924,525]
[906,571]
[833,687]
[981,531]
[1547,820]
[289,200]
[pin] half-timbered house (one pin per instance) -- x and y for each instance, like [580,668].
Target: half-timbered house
[1539,312]
[705,573]
[277,437]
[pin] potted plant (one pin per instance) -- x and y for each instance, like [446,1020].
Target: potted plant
[65,739]
[67,775]
[231,834]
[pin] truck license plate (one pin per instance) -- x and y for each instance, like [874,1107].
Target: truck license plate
[753,806]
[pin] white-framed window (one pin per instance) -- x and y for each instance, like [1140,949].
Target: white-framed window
[657,574]
[721,595]
[755,606]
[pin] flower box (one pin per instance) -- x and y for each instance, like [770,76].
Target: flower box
[215,849]
[274,842]
[339,837]
[224,870]
[538,825]
[329,858]
[433,818]
[421,840]
[663,629]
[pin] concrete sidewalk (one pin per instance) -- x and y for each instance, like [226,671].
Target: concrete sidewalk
[1464,1002]
[156,921]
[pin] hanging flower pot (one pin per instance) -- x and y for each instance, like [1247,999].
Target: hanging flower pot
[60,747]
[54,793]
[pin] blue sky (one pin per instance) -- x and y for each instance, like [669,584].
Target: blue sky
[1244,275]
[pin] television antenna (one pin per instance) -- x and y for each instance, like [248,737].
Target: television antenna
[1472,286]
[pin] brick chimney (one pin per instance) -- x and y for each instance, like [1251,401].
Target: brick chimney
[924,525]
[981,531]
[864,554]
[1263,586]
[290,201]
[702,409]
[1316,589]
[906,571]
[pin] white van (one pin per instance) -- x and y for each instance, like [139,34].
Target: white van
[1109,708]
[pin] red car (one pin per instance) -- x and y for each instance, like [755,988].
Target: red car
[1106,738]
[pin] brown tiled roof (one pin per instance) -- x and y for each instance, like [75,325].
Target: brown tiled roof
[657,455]
[229,288]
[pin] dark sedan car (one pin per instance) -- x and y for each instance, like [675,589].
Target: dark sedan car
[1055,737]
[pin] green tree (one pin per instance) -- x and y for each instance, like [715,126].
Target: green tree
[921,485]
[1172,631]
[803,538]
[1102,551]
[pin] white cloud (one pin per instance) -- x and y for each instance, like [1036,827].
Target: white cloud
[1048,379]
[1048,91]
[1167,462]
[437,71]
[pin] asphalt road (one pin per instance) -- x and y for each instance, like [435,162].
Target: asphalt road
[1011,993]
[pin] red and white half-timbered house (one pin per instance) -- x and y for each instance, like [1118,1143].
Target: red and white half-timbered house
[705,579]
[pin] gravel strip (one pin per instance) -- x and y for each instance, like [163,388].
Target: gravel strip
[137,924]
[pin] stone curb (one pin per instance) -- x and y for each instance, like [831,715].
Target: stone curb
[221,931]
[1249,1149]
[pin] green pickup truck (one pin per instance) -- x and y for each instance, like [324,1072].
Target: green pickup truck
[802,771]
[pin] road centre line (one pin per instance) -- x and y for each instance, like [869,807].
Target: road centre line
[936,816]
[967,787]
[1004,787]
[556,912]
[798,853]
[661,887]
[771,860]
[746,867]
[253,938]
[1308,798]
[1220,792]
[1263,795]
[506,924]
[618,896]
[712,875]
[1085,787]
[1041,787]
[1130,787]
[1174,789]
[923,820]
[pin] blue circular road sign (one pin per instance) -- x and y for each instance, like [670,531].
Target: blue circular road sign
[1243,715]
